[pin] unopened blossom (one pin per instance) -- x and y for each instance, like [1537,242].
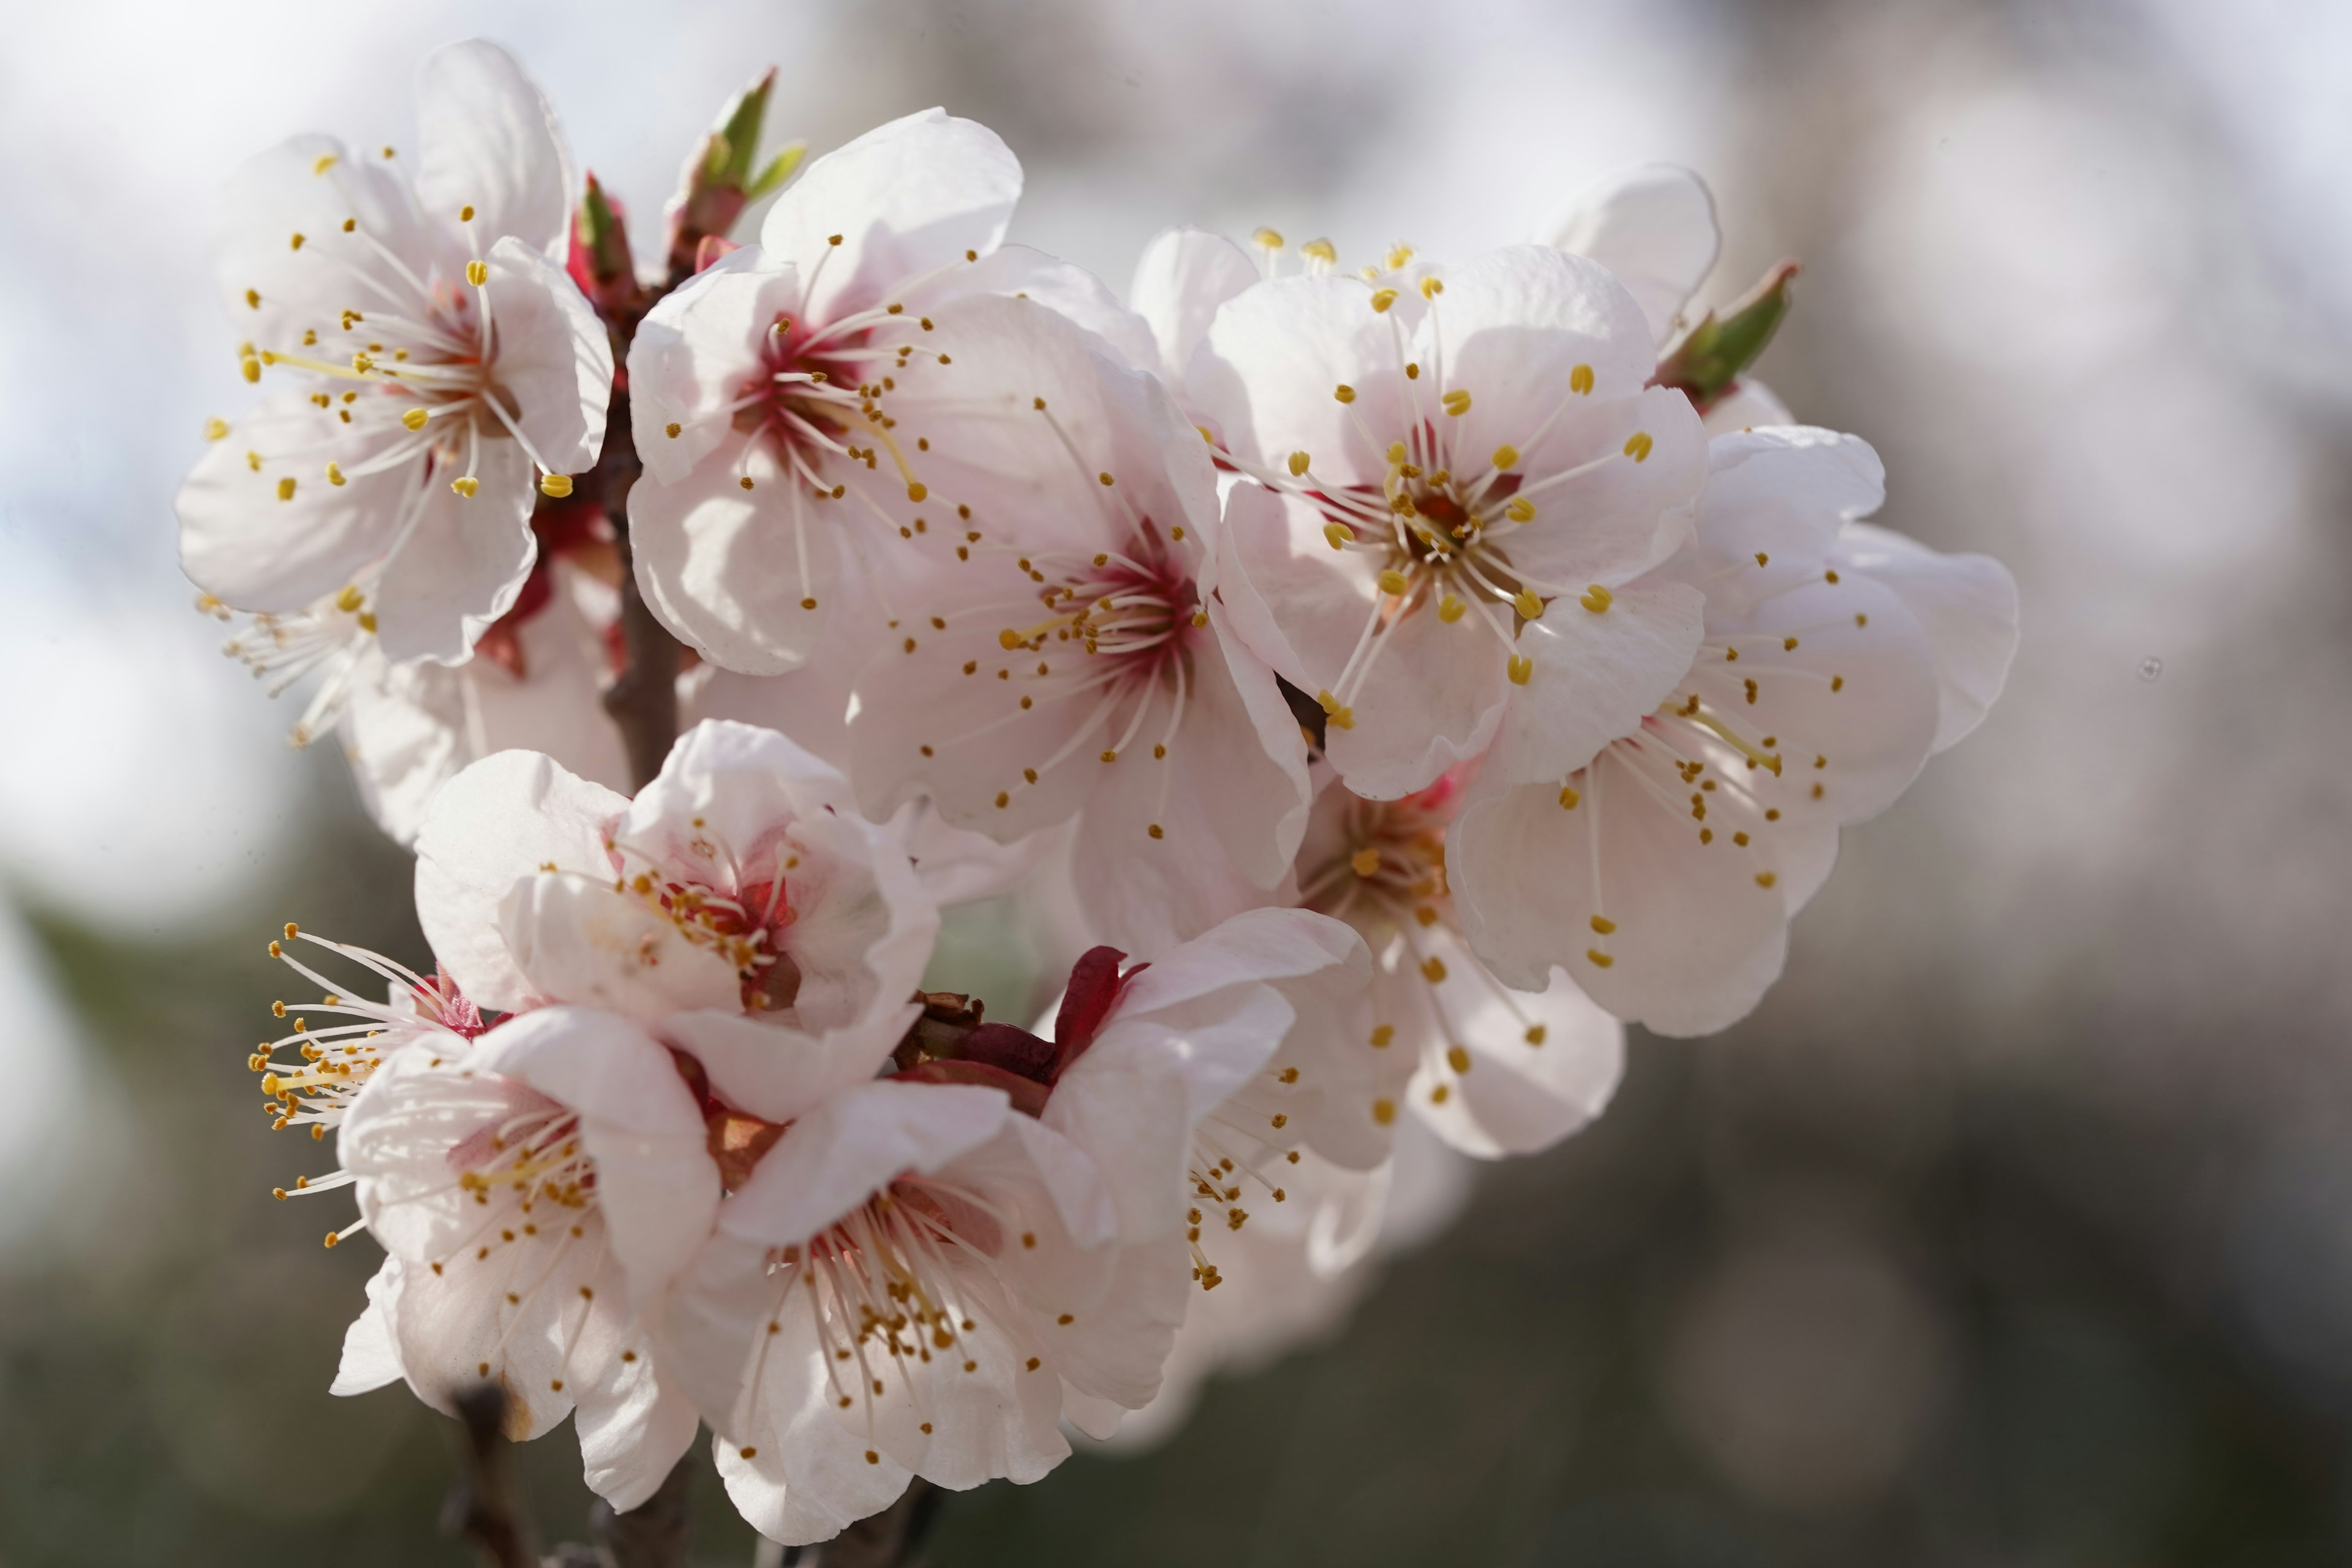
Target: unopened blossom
[444,371]
[1492,1068]
[534,1192]
[1072,659]
[928,1274]
[741,881]
[1662,876]
[1459,483]
[784,400]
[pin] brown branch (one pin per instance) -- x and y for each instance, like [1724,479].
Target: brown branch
[886,1540]
[486,1507]
[655,1533]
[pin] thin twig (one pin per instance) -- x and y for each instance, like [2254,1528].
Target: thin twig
[485,1506]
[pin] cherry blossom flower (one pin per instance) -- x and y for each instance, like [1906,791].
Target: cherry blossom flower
[1458,485]
[928,1274]
[534,1192]
[783,400]
[1494,1069]
[1075,660]
[1837,658]
[445,361]
[742,879]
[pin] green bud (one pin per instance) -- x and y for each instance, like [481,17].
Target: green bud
[780,168]
[1719,349]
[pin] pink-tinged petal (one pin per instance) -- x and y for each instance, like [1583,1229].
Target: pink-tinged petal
[311,187]
[1277,947]
[1123,1105]
[1653,226]
[748,577]
[1615,485]
[1275,354]
[840,1153]
[501,820]
[1595,676]
[277,537]
[695,353]
[462,562]
[779,1073]
[397,1138]
[578,939]
[656,1185]
[554,359]
[1511,329]
[1181,279]
[1062,287]
[1697,936]
[1749,405]
[1967,606]
[1542,1065]
[905,197]
[370,1358]
[492,143]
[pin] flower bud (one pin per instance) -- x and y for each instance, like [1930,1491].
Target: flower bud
[719,180]
[1714,354]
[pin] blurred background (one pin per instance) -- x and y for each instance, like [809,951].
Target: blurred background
[2015,1228]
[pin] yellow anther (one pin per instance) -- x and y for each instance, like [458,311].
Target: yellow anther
[1765,878]
[1600,959]
[1603,924]
[1344,392]
[745,482]
[1458,402]
[1205,435]
[1321,251]
[251,368]
[1521,669]
[216,429]
[466,486]
[1382,298]
[326,161]
[1762,559]
[1579,380]
[1008,640]
[465,214]
[1535,1034]
[1637,446]
[1381,1034]
[1530,608]
[1398,256]
[1337,713]
[1298,463]
[1157,831]
[1522,510]
[1384,1111]
[1457,1058]
[1337,535]
[918,492]
[335,474]
[556,486]
[415,418]
[1569,797]
[285,488]
[1597,599]
[295,244]
[292,931]
[1432,970]
[477,272]
[1506,456]
[1366,861]
[367,622]
[1267,240]
[1393,582]
[1450,609]
[1431,287]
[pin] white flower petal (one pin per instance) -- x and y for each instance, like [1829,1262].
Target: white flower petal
[1511,328]
[499,821]
[1654,227]
[1967,606]
[311,186]
[462,562]
[492,143]
[904,198]
[839,1154]
[279,536]
[1596,676]
[578,940]
[553,370]
[1181,279]
[1268,372]
[779,1073]
[696,350]
[370,1358]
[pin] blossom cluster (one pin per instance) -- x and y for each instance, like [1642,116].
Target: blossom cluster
[1398,678]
